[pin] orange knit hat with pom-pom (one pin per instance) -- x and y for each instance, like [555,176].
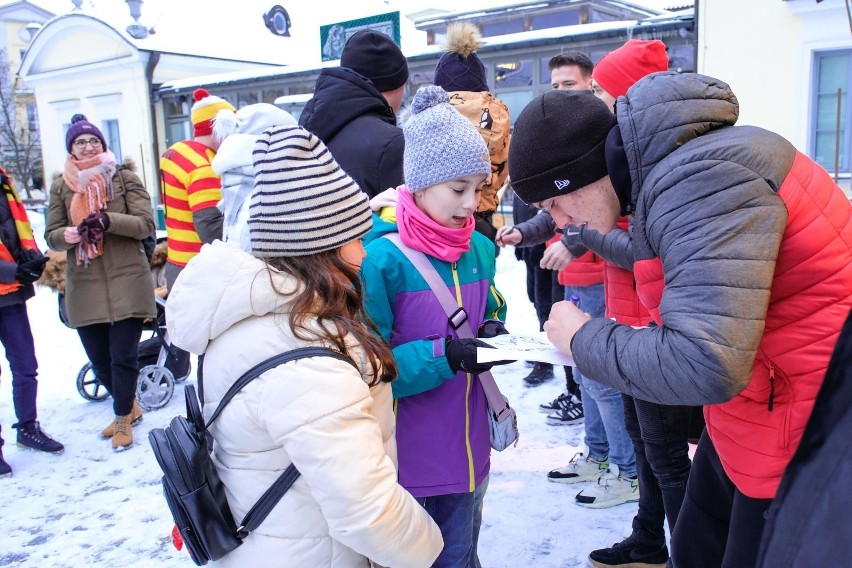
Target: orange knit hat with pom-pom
[204,111]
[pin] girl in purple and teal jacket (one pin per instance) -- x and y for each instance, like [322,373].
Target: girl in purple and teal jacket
[442,424]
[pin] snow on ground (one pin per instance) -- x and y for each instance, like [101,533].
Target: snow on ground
[92,507]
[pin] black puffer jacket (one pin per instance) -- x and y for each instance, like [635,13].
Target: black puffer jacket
[354,120]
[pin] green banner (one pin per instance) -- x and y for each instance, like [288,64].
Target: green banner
[334,36]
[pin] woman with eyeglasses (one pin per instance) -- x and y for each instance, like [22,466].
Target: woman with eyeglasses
[99,213]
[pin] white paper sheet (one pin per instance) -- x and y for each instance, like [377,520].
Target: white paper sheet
[535,347]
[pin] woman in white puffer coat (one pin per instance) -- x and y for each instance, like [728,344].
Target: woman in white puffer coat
[299,287]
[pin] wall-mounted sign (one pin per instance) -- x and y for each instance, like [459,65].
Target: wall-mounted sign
[334,36]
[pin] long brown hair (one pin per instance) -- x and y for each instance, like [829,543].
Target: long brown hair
[332,294]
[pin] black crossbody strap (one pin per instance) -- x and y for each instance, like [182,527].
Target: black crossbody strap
[268,500]
[270,363]
[259,511]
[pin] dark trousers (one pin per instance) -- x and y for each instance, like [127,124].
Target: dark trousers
[113,351]
[543,290]
[718,526]
[17,339]
[454,514]
[659,435]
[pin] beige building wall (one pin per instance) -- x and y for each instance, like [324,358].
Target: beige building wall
[765,50]
[756,47]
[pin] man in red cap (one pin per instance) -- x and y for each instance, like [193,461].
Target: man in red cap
[659,432]
[618,70]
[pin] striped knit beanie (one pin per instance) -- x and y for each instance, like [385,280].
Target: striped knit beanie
[204,111]
[302,203]
[440,144]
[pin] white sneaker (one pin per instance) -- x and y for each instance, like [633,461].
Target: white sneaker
[612,489]
[578,470]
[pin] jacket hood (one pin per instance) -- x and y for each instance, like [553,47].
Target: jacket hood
[664,111]
[341,96]
[381,227]
[221,287]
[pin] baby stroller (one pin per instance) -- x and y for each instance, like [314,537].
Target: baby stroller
[161,365]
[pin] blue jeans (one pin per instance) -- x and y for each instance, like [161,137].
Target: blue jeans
[606,431]
[454,514]
[478,502]
[17,339]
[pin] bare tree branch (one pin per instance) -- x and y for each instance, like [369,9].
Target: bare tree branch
[19,136]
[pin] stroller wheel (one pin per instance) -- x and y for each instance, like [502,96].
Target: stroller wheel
[89,386]
[155,387]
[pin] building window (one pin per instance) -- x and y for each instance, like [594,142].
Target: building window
[32,118]
[833,73]
[515,101]
[113,140]
[513,74]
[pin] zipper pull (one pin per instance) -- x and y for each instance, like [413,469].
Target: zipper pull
[454,265]
[771,386]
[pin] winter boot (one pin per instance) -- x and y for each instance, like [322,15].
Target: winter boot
[135,418]
[540,374]
[5,468]
[629,552]
[123,436]
[31,436]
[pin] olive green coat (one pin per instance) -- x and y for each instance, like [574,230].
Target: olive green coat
[116,285]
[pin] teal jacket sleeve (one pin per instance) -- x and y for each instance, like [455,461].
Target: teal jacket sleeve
[422,364]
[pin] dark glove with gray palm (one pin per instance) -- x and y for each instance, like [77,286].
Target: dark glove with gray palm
[461,355]
[492,328]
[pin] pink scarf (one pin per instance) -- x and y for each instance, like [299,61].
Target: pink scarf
[91,182]
[420,232]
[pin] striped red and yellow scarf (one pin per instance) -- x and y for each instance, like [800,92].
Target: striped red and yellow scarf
[22,225]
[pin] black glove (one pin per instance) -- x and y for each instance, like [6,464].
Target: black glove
[98,220]
[31,270]
[461,355]
[492,328]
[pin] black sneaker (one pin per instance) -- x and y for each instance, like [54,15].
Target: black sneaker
[5,468]
[571,414]
[627,553]
[30,435]
[555,405]
[540,374]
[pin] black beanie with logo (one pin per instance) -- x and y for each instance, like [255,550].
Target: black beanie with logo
[558,144]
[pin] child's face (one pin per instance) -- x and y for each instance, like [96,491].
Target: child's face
[353,253]
[451,203]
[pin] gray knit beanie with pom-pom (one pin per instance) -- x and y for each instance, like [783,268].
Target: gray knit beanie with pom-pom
[440,144]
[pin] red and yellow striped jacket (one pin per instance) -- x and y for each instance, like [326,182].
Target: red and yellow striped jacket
[189,185]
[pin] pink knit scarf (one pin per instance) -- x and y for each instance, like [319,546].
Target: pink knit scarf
[420,232]
[91,182]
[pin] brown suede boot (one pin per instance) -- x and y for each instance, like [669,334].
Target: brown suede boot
[123,437]
[135,418]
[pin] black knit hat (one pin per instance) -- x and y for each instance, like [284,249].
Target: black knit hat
[375,56]
[558,144]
